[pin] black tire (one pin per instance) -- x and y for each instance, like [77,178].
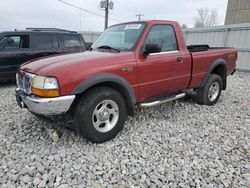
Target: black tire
[203,96]
[84,114]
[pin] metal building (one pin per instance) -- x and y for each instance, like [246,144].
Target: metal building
[238,11]
[90,36]
[237,35]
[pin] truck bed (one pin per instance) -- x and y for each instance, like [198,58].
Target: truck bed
[203,56]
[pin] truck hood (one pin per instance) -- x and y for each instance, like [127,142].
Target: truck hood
[88,59]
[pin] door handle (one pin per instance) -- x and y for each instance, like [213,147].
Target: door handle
[180,60]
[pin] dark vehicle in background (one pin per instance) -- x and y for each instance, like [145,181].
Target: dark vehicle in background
[17,47]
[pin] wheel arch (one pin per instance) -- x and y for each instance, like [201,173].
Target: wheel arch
[219,67]
[113,81]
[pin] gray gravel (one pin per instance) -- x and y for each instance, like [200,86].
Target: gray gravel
[179,144]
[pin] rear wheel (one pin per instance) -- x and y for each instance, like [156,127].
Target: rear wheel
[210,93]
[100,114]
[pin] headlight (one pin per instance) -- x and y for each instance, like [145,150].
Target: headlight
[45,86]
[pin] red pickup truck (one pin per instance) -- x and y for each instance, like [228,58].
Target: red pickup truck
[143,63]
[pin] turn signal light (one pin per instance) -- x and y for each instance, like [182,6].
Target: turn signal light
[45,92]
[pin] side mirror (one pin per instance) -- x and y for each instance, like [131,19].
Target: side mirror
[152,48]
[88,45]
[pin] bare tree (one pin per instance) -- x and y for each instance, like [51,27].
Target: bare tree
[206,17]
[213,18]
[202,15]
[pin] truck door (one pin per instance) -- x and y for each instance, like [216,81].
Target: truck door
[14,50]
[72,43]
[45,44]
[166,70]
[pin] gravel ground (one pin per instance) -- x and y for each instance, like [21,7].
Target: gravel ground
[178,144]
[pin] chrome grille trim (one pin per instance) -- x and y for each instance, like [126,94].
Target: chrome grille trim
[24,81]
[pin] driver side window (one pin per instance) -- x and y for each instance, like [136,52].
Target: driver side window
[164,37]
[14,42]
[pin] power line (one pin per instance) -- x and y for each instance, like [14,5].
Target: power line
[72,5]
[127,7]
[131,5]
[90,2]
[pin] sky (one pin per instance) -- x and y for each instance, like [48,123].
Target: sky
[19,14]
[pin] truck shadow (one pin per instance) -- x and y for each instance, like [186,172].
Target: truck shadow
[67,134]
[4,84]
[189,98]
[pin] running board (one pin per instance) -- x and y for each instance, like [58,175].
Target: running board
[164,100]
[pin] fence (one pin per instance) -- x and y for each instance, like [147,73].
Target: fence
[90,36]
[237,36]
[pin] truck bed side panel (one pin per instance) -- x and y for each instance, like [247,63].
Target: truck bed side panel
[202,61]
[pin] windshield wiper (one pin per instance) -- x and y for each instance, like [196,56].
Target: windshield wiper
[108,47]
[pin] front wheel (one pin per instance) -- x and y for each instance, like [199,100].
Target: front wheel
[210,93]
[100,114]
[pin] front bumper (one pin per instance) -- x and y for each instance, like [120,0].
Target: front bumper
[44,106]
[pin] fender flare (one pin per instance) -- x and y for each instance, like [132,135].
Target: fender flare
[106,77]
[212,67]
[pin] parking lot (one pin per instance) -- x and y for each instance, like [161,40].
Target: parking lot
[178,144]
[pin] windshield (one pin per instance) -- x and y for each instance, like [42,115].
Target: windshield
[121,37]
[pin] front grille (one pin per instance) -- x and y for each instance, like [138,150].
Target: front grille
[19,80]
[24,81]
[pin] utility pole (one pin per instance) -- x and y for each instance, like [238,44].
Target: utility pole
[106,14]
[139,16]
[106,5]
